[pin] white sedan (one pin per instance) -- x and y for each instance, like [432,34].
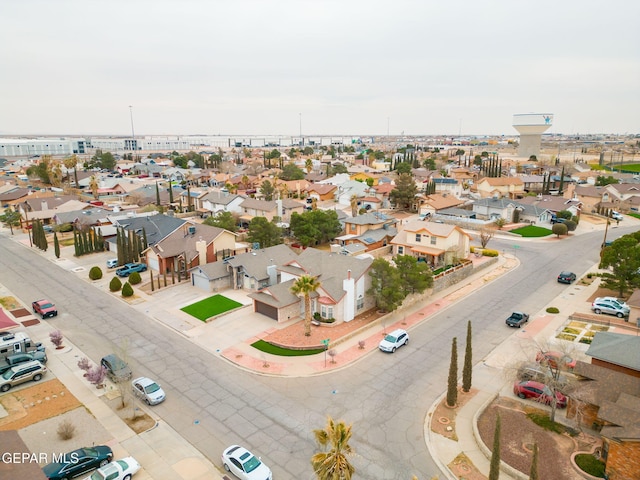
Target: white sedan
[147,390]
[243,464]
[119,470]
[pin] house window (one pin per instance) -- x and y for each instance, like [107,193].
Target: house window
[353,227]
[418,237]
[360,303]
[433,240]
[401,250]
[326,312]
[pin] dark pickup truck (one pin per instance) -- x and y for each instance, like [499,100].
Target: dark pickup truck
[13,360]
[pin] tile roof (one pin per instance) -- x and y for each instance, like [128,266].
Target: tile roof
[181,242]
[255,263]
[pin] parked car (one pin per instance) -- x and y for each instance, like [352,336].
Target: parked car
[78,462]
[555,220]
[553,359]
[610,306]
[538,391]
[24,372]
[394,340]
[244,465]
[44,308]
[129,268]
[18,358]
[540,373]
[517,319]
[566,277]
[117,369]
[122,469]
[617,215]
[148,390]
[112,263]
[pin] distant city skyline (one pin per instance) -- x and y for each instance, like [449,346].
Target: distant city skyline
[317,67]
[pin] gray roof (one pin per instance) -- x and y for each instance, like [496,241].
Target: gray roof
[457,212]
[373,236]
[373,218]
[183,241]
[220,198]
[213,270]
[156,227]
[269,205]
[91,216]
[528,210]
[255,263]
[279,295]
[616,348]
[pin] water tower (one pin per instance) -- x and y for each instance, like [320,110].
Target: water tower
[531,127]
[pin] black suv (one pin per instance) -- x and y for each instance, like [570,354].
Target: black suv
[117,369]
[566,277]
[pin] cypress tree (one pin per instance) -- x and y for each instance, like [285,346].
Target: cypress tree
[75,243]
[120,247]
[452,383]
[157,194]
[533,473]
[561,181]
[170,192]
[145,245]
[56,245]
[494,468]
[467,367]
[43,237]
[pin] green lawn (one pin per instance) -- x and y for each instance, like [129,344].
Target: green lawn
[532,231]
[283,352]
[210,307]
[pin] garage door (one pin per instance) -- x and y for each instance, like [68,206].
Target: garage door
[268,310]
[200,281]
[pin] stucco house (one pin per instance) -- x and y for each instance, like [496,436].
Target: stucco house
[437,244]
[221,201]
[432,204]
[371,230]
[509,187]
[252,207]
[343,280]
[511,210]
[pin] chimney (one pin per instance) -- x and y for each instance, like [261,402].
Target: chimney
[279,210]
[348,274]
[44,205]
[201,248]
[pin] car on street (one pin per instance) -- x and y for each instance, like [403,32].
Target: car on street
[244,465]
[394,340]
[78,462]
[611,306]
[148,391]
[112,263]
[129,268]
[122,469]
[44,308]
[117,369]
[566,277]
[556,360]
[517,319]
[539,392]
[24,372]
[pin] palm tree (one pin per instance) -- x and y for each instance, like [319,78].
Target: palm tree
[304,287]
[332,464]
[354,205]
[93,185]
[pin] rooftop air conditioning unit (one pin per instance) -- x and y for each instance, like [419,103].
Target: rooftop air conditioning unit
[192,230]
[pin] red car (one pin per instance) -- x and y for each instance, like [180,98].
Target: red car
[538,391]
[44,308]
[553,359]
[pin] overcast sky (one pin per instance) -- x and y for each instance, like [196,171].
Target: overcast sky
[344,67]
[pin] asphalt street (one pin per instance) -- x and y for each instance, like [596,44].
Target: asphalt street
[214,404]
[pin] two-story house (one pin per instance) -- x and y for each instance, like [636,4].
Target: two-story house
[372,230]
[282,208]
[437,244]
[509,187]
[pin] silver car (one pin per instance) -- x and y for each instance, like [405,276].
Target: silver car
[611,306]
[147,390]
[24,372]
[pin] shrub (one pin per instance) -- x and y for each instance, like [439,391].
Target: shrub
[127,290]
[83,364]
[96,374]
[95,273]
[115,284]
[571,225]
[135,278]
[316,316]
[56,338]
[66,430]
[590,464]
[490,253]
[553,310]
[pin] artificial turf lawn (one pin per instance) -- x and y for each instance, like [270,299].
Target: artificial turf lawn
[532,231]
[210,307]
[283,352]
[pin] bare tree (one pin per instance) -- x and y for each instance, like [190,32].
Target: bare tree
[485,235]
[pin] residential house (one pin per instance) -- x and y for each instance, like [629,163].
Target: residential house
[511,210]
[593,198]
[625,195]
[189,246]
[432,204]
[554,203]
[257,269]
[14,196]
[509,187]
[342,295]
[321,192]
[89,217]
[151,225]
[448,186]
[533,183]
[371,230]
[382,191]
[350,188]
[221,201]
[437,244]
[365,178]
[253,207]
